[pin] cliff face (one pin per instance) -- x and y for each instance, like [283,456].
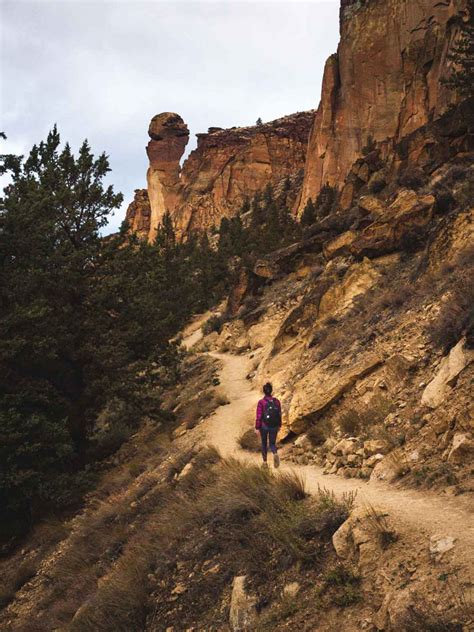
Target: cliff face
[227,166]
[384,81]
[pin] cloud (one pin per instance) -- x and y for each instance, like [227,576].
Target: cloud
[102,69]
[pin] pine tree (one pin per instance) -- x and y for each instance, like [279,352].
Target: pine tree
[308,216]
[50,217]
[462,56]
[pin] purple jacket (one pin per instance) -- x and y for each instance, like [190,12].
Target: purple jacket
[261,410]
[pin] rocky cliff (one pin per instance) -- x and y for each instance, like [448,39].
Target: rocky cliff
[383,82]
[227,166]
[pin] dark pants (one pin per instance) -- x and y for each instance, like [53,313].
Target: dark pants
[268,435]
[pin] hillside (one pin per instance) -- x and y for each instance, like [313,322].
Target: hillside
[332,254]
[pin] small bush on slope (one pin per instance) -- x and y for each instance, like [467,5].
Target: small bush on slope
[249,441]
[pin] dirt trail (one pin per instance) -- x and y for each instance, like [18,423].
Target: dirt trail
[419,513]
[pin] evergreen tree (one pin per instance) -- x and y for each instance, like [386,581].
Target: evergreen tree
[325,200]
[462,56]
[50,219]
[309,213]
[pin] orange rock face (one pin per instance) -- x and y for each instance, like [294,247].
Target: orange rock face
[384,82]
[227,166]
[138,214]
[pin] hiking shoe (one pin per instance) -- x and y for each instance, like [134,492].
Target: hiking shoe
[265,465]
[276,460]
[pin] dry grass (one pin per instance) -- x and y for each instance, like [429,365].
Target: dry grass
[14,577]
[126,554]
[214,519]
[378,522]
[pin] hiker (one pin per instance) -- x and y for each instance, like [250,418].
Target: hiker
[268,423]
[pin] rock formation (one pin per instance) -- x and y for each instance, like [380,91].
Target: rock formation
[138,214]
[227,166]
[383,83]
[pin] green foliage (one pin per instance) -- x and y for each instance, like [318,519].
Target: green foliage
[85,323]
[269,227]
[321,208]
[343,585]
[309,214]
[462,57]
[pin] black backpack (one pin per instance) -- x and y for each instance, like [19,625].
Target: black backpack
[271,414]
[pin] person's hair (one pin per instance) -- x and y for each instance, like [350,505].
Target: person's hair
[267,388]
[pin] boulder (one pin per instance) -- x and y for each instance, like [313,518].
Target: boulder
[407,214]
[320,388]
[291,589]
[371,204]
[340,245]
[440,544]
[373,460]
[345,447]
[462,448]
[242,607]
[388,469]
[359,278]
[376,446]
[446,376]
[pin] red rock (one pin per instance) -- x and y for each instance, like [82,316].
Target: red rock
[227,166]
[384,82]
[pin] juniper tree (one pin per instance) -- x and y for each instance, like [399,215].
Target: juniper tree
[308,216]
[462,57]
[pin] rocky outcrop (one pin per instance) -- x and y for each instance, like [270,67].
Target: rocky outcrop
[242,607]
[319,388]
[383,83]
[228,166]
[139,213]
[169,136]
[448,371]
[401,221]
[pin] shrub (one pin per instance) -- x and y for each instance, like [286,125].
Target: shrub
[355,422]
[109,440]
[249,441]
[318,432]
[214,323]
[425,617]
[344,586]
[386,536]
[445,200]
[412,178]
[377,184]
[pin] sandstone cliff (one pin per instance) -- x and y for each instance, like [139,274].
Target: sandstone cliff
[384,82]
[227,166]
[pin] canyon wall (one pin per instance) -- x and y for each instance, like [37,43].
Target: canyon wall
[383,82]
[227,166]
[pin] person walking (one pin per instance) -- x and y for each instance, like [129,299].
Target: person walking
[268,423]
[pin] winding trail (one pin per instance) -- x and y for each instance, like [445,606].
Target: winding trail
[413,513]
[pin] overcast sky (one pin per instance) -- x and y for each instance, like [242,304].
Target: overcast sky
[101,69]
